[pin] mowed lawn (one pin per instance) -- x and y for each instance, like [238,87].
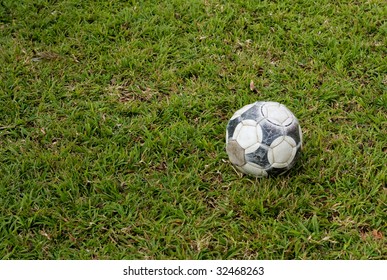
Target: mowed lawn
[113,117]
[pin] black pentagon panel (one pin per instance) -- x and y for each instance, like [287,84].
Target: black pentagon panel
[259,105]
[270,132]
[252,114]
[259,156]
[293,131]
[232,124]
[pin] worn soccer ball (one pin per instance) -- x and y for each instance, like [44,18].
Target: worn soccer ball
[263,138]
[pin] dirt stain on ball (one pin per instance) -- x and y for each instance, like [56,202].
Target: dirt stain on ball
[236,153]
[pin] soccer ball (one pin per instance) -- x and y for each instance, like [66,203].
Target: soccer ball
[263,138]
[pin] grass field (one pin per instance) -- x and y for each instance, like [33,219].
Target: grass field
[113,117]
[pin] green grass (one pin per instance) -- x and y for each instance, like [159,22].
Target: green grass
[112,127]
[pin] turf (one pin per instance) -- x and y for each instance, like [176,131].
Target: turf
[112,127]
